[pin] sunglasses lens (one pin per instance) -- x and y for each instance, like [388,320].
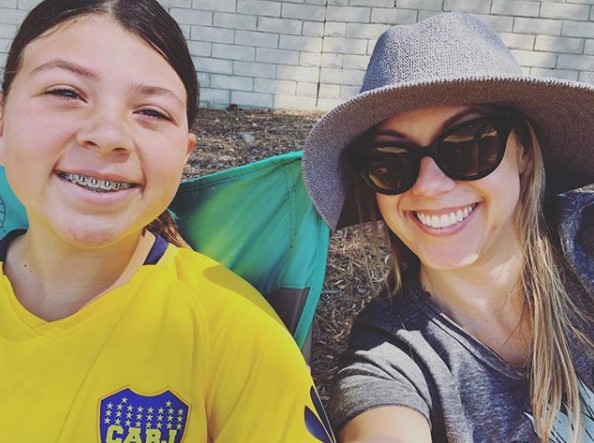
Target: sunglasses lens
[472,151]
[391,170]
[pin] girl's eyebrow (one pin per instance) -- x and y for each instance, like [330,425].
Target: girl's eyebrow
[90,74]
[67,66]
[157,90]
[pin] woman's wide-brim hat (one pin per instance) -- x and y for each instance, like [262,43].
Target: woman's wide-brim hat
[451,58]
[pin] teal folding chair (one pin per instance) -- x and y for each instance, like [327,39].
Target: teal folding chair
[257,220]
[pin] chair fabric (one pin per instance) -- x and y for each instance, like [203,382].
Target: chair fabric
[256,219]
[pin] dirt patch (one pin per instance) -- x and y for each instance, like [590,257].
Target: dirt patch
[236,137]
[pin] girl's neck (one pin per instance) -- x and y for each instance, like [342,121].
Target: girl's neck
[55,281]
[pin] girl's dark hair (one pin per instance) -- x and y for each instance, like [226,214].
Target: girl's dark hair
[146,19]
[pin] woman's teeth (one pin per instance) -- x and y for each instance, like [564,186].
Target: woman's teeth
[445,220]
[95,184]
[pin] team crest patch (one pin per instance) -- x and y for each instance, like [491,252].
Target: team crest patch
[128,417]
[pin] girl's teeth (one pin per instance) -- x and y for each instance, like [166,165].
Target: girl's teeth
[445,220]
[95,184]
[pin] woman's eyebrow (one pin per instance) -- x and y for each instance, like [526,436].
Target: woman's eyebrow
[67,66]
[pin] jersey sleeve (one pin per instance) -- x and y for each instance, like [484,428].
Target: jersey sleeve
[376,370]
[259,386]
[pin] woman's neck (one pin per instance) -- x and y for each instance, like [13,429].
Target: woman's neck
[488,302]
[55,280]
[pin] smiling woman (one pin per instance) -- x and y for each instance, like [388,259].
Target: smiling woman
[109,332]
[484,331]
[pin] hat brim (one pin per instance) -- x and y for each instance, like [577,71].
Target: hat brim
[561,111]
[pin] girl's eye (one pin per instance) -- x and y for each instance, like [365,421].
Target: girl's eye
[154,113]
[66,93]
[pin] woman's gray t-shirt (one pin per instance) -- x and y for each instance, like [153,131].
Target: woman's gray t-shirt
[404,352]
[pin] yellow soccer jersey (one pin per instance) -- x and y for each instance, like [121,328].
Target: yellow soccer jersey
[186,351]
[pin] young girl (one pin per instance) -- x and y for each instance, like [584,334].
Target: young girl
[108,333]
[484,333]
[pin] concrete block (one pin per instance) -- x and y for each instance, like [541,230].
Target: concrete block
[214,5]
[252,99]
[9,4]
[432,5]
[373,3]
[577,29]
[173,3]
[215,96]
[278,56]
[12,16]
[280,25]
[200,49]
[304,12]
[259,7]
[332,61]
[559,44]
[537,26]
[285,87]
[589,47]
[518,41]
[482,6]
[313,29]
[347,91]
[329,91]
[231,82]
[214,65]
[577,62]
[535,59]
[565,11]
[352,77]
[190,17]
[393,16]
[258,39]
[256,70]
[565,74]
[499,23]
[294,102]
[335,29]
[345,45]
[348,14]
[310,59]
[325,104]
[211,34]
[233,52]
[307,89]
[300,43]
[586,77]
[298,73]
[235,21]
[365,31]
[7,31]
[516,8]
[358,62]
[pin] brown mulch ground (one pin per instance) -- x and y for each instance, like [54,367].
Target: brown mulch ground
[235,137]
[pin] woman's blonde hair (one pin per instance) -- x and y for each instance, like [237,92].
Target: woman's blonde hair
[554,383]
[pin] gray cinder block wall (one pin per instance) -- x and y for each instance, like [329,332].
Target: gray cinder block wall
[311,54]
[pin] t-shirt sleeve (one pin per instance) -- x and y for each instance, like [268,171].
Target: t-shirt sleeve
[259,387]
[376,370]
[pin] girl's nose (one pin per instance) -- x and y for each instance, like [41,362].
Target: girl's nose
[431,180]
[107,132]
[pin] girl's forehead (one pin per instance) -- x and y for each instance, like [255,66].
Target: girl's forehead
[103,46]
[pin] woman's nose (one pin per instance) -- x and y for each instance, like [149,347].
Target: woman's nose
[107,131]
[432,180]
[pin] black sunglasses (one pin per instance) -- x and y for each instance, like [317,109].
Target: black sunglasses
[470,150]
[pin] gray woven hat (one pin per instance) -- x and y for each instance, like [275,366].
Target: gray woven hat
[450,58]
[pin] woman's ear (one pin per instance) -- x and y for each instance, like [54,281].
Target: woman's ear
[522,157]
